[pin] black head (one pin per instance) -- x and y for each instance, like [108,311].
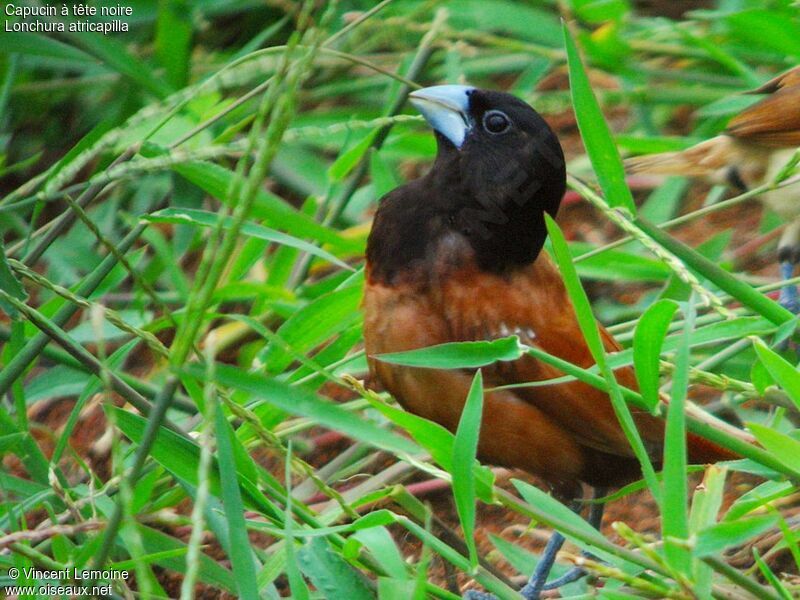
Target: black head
[498,170]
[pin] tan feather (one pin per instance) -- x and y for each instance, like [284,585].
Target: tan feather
[772,122]
[710,160]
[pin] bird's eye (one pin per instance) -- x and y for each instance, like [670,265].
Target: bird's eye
[496,122]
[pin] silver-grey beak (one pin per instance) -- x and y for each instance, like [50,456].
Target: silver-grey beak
[446,108]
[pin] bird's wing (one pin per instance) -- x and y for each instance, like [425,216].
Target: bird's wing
[514,433]
[786,79]
[564,431]
[534,303]
[772,122]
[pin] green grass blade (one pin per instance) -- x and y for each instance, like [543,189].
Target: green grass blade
[674,518]
[648,340]
[595,133]
[458,355]
[173,40]
[465,448]
[785,448]
[300,402]
[10,284]
[329,573]
[588,326]
[783,372]
[243,561]
[727,282]
[716,538]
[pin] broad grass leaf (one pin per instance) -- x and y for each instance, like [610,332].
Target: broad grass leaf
[382,547]
[114,55]
[348,159]
[244,563]
[331,575]
[786,449]
[465,449]
[546,503]
[674,509]
[774,29]
[458,355]
[594,130]
[273,210]
[706,503]
[618,265]
[757,497]
[202,218]
[34,44]
[438,441]
[648,340]
[311,325]
[300,402]
[783,372]
[169,552]
[9,284]
[716,538]
[174,39]
[591,333]
[504,16]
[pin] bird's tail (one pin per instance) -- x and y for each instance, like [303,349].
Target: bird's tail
[707,160]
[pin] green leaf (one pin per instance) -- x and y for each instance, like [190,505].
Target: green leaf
[348,159]
[648,340]
[706,503]
[9,284]
[11,441]
[33,44]
[595,133]
[553,507]
[783,372]
[331,575]
[458,355]
[523,560]
[757,497]
[675,494]
[617,265]
[56,382]
[311,325]
[396,589]
[173,40]
[115,56]
[181,457]
[771,577]
[507,17]
[169,552]
[770,29]
[300,402]
[382,547]
[243,561]
[600,11]
[204,218]
[588,327]
[786,449]
[383,178]
[465,449]
[720,536]
[216,180]
[438,441]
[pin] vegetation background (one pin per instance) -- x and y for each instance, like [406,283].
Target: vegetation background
[184,211]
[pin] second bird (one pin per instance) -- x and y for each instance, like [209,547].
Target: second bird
[757,144]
